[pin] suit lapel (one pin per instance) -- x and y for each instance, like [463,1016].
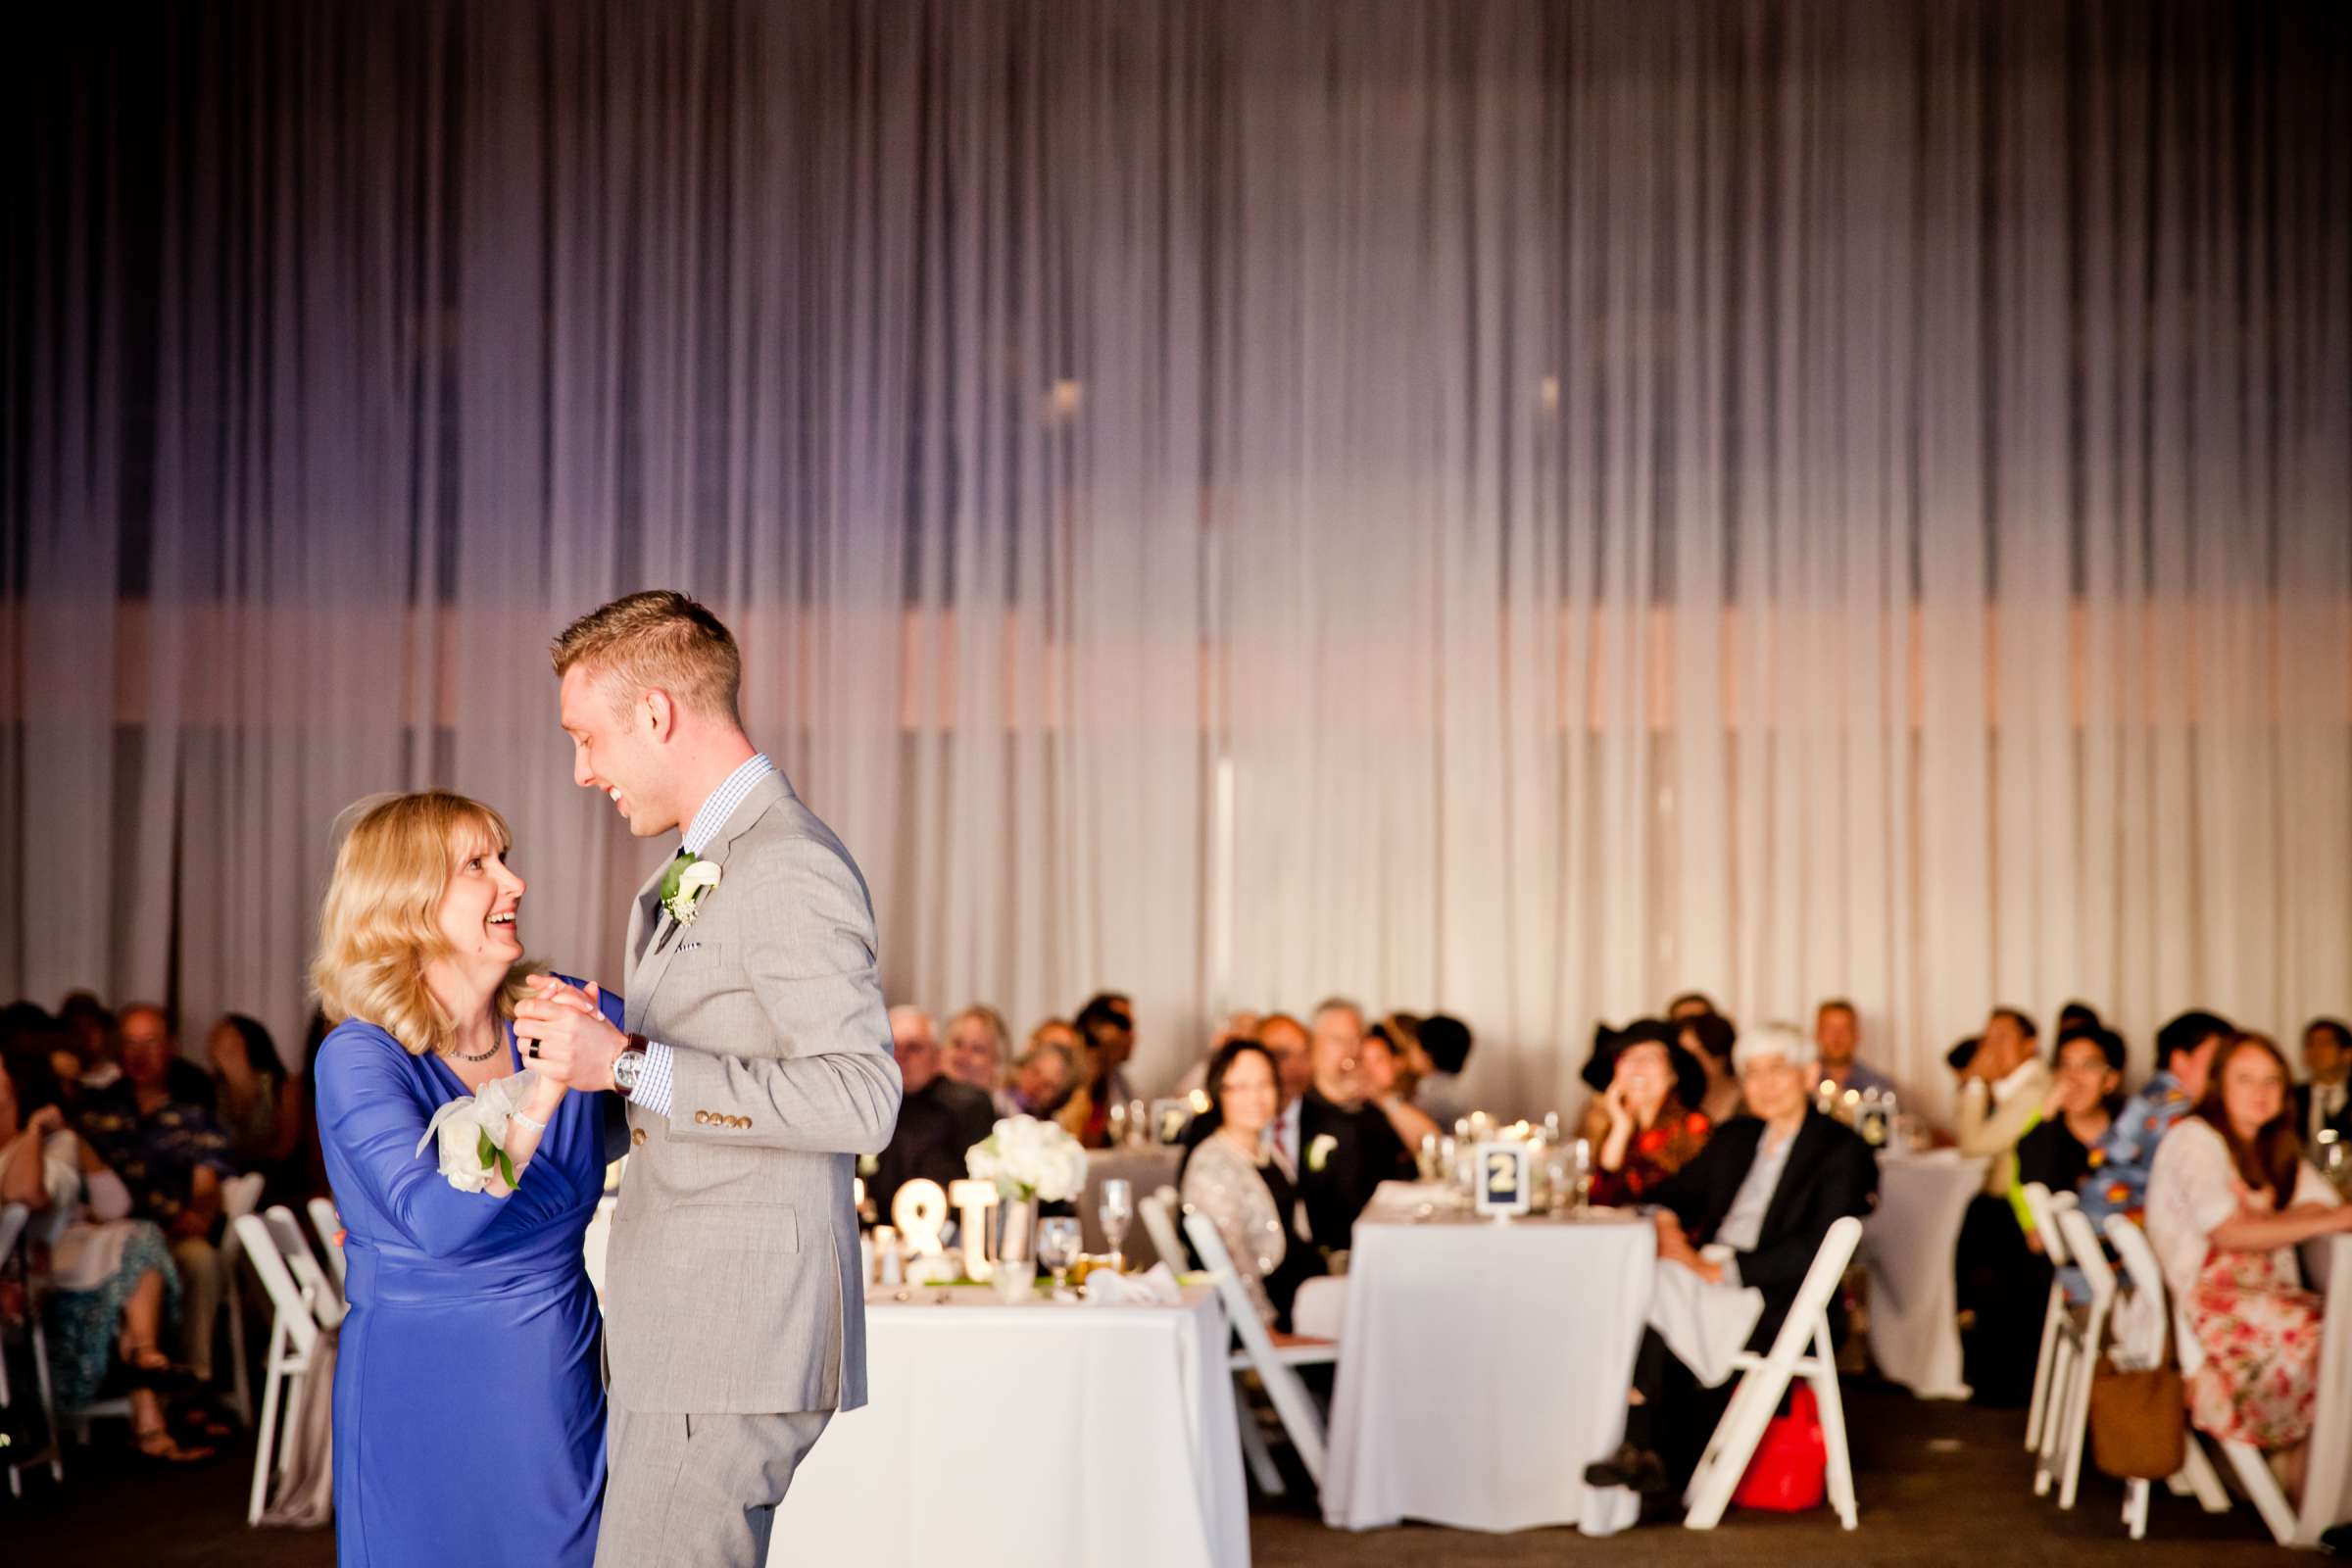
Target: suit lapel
[641,915]
[1804,1152]
[644,976]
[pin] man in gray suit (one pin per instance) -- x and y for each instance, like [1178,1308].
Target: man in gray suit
[755,1066]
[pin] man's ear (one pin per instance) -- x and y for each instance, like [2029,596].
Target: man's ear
[660,714]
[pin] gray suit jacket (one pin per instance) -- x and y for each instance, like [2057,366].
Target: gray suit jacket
[734,1284]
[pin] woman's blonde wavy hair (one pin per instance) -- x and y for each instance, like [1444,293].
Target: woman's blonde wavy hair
[377,930]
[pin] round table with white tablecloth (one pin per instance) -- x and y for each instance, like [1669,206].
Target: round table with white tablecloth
[1040,1434]
[1908,1245]
[1486,1364]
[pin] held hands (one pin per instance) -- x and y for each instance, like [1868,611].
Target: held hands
[1675,1247]
[569,1040]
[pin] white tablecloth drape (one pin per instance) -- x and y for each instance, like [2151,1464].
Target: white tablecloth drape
[1486,1364]
[1147,1170]
[1043,1433]
[1907,1247]
[2327,1489]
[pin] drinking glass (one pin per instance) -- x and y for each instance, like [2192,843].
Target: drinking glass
[1581,1163]
[1115,1208]
[1057,1249]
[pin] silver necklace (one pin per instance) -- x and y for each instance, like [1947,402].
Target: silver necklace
[483,1055]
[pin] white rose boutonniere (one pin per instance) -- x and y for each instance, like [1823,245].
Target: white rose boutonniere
[688,878]
[471,1130]
[1318,1153]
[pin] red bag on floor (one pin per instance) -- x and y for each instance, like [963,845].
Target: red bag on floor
[1787,1474]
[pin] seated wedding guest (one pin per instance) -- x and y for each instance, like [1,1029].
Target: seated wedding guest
[1444,1050]
[1838,1038]
[1247,1189]
[939,1118]
[1382,1073]
[1350,1144]
[978,1045]
[1738,1230]
[1235,1026]
[1643,1127]
[1284,1039]
[2077,1016]
[2117,1182]
[2075,1115]
[1041,1082]
[112,1285]
[2003,1286]
[173,1156]
[2323,1104]
[1711,1037]
[1689,1004]
[1107,1024]
[90,1028]
[257,1104]
[1077,1106]
[2229,1198]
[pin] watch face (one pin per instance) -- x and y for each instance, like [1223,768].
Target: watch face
[624,1069]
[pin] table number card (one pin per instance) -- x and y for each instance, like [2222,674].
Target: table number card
[1503,1180]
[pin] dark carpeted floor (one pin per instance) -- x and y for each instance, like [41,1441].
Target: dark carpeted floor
[1939,1484]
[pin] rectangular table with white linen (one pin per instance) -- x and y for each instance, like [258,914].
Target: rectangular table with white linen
[1040,1434]
[1483,1364]
[1908,1245]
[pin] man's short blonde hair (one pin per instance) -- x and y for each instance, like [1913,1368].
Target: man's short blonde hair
[658,639]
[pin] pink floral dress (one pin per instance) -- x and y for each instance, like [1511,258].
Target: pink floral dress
[2259,1331]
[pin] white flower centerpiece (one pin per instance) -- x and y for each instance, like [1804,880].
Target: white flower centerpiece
[472,1133]
[1029,1161]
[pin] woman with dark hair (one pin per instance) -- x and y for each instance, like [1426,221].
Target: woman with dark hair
[1709,1037]
[1643,1126]
[2229,1199]
[1245,1187]
[258,1104]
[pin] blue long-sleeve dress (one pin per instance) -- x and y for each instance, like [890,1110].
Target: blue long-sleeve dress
[470,1406]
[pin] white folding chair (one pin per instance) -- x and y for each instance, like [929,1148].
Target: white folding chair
[1276,1365]
[2154,1321]
[13,1220]
[1763,1379]
[239,1196]
[326,1302]
[2059,1455]
[2041,1204]
[293,1339]
[1158,1211]
[329,1226]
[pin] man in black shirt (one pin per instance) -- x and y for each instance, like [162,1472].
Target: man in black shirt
[1347,1146]
[939,1118]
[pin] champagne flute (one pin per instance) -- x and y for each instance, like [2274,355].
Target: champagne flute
[1057,1249]
[1115,1208]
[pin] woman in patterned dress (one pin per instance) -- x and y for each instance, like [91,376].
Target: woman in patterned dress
[2229,1199]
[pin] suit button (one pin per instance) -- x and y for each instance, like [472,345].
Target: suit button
[637,1138]
[702,1118]
[744,1123]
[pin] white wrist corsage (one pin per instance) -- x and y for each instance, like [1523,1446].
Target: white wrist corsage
[472,1133]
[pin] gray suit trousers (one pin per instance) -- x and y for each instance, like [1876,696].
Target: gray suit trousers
[698,1491]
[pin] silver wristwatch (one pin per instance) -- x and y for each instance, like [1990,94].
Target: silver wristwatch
[628,1066]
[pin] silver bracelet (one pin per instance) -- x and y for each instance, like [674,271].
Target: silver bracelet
[535,1126]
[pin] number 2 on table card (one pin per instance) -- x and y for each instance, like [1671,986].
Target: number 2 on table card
[1503,1182]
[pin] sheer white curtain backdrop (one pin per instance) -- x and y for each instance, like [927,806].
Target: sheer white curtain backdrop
[1516,507]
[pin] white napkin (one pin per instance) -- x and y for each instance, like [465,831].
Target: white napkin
[1157,1286]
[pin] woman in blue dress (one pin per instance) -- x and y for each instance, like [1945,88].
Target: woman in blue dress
[469,1409]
